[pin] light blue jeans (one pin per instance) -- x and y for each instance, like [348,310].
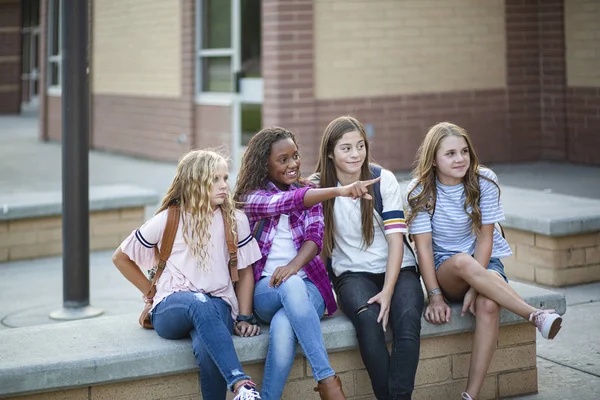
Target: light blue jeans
[294,310]
[208,321]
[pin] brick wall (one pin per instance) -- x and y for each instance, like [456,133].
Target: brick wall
[553,261]
[387,48]
[583,78]
[10,57]
[442,373]
[156,127]
[137,47]
[288,72]
[42,237]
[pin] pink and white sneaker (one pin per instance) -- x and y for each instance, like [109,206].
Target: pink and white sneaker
[465,396]
[548,322]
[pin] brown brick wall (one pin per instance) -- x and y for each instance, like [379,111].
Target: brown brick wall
[213,126]
[153,127]
[400,122]
[10,57]
[288,72]
[583,112]
[553,65]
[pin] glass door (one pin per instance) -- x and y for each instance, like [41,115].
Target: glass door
[30,30]
[229,65]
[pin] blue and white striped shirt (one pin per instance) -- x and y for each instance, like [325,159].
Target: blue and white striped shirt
[450,225]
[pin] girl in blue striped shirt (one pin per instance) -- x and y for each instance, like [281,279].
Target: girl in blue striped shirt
[454,204]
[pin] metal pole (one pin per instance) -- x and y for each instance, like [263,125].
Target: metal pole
[75,179]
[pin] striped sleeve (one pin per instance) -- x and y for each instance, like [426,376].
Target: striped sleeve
[151,232]
[393,214]
[422,222]
[248,251]
[491,208]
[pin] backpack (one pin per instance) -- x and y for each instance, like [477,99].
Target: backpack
[163,254]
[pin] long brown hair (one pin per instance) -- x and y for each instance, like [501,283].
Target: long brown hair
[328,178]
[425,175]
[191,189]
[255,162]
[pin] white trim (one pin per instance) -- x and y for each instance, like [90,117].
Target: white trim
[215,53]
[215,99]
[54,91]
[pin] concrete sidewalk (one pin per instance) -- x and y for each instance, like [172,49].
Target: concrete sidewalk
[569,366]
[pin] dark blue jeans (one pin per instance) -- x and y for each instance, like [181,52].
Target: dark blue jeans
[208,321]
[392,375]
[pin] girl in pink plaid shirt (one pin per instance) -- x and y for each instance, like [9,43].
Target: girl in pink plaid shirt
[292,287]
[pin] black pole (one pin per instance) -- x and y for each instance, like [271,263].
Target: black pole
[75,145]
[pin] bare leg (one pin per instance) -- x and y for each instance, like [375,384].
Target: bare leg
[460,271]
[487,314]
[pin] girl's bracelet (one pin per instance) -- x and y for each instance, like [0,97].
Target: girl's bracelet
[433,292]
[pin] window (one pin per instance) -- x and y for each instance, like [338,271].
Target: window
[54,46]
[215,51]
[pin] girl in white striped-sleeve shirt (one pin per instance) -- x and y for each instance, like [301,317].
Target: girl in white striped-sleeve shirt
[454,204]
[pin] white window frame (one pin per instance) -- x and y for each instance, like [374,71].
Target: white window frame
[56,59]
[216,98]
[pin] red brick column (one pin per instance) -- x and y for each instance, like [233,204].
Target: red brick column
[288,72]
[554,80]
[523,79]
[10,57]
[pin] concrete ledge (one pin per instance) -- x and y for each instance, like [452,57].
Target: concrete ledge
[549,214]
[31,223]
[49,203]
[114,349]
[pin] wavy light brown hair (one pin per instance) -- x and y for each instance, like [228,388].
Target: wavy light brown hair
[191,190]
[328,178]
[254,170]
[425,174]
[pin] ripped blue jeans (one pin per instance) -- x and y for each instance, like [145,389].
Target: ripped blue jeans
[208,321]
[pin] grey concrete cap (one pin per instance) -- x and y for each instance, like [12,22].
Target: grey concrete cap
[49,203]
[549,213]
[109,349]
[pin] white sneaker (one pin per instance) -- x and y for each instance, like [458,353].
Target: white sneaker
[247,392]
[548,322]
[465,396]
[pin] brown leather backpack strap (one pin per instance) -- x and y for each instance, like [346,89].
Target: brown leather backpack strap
[232,250]
[166,246]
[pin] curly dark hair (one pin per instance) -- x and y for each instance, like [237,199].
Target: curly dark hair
[255,163]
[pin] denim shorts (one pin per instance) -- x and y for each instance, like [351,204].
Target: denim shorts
[494,265]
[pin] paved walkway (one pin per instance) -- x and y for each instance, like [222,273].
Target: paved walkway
[569,366]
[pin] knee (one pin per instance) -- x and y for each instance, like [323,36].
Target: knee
[408,322]
[463,263]
[485,307]
[365,320]
[294,287]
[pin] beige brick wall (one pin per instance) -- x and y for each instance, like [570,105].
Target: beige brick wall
[553,261]
[42,237]
[137,47]
[391,47]
[441,374]
[582,32]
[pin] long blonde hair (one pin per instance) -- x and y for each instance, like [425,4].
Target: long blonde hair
[328,178]
[191,190]
[425,174]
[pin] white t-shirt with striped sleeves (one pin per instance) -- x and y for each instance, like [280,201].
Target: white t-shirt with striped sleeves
[450,225]
[349,253]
